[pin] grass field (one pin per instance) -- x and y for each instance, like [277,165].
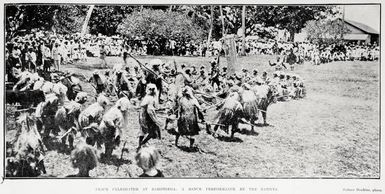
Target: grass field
[333,132]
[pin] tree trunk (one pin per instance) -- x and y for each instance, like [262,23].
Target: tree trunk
[88,16]
[211,26]
[223,21]
[243,30]
[54,19]
[292,34]
[231,54]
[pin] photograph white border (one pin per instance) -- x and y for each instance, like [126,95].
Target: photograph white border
[182,185]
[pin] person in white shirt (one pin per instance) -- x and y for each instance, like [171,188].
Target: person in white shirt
[31,60]
[56,56]
[46,57]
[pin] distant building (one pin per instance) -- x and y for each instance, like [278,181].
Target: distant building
[359,32]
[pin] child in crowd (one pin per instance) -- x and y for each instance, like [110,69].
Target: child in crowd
[147,159]
[84,158]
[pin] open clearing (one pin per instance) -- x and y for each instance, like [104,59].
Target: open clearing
[333,132]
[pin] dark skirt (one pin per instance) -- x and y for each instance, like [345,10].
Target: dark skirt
[229,116]
[188,126]
[250,110]
[147,125]
[188,120]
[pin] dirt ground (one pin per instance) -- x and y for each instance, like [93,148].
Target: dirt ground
[333,132]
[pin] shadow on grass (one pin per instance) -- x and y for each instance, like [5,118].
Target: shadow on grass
[188,149]
[113,160]
[248,132]
[229,139]
[263,125]
[195,150]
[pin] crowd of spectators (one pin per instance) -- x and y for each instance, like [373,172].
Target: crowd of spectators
[43,50]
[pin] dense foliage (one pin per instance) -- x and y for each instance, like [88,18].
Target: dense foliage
[106,19]
[292,18]
[158,24]
[325,31]
[109,20]
[58,18]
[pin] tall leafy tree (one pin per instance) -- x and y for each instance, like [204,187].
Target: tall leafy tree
[59,18]
[325,31]
[292,18]
[199,14]
[68,19]
[155,24]
[14,20]
[106,19]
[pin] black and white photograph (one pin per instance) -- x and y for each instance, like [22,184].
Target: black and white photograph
[201,91]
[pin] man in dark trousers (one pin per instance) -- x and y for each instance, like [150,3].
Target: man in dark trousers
[291,59]
[103,54]
[215,74]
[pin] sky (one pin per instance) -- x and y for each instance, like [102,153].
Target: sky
[366,14]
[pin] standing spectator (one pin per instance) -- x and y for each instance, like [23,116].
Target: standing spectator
[56,57]
[46,58]
[31,59]
[15,57]
[83,51]
[24,51]
[291,59]
[103,54]
[215,74]
[125,54]
[75,51]
[172,46]
[39,54]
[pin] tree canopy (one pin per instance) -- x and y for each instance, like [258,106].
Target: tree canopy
[58,18]
[328,31]
[155,24]
[106,19]
[109,20]
[292,18]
